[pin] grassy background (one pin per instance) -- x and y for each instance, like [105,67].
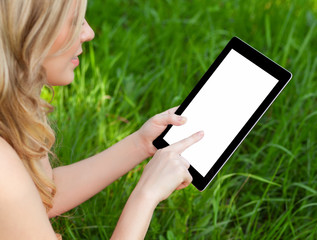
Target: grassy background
[146,57]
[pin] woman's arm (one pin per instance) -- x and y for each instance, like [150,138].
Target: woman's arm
[166,172]
[136,217]
[80,181]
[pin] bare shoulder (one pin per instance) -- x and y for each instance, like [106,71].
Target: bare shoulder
[12,171]
[22,214]
[10,164]
[6,151]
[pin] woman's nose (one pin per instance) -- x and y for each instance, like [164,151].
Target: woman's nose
[87,33]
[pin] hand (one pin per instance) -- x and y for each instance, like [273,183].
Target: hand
[155,126]
[167,170]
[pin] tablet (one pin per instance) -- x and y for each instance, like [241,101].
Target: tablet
[226,103]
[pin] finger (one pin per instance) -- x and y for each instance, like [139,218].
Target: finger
[186,182]
[180,146]
[173,110]
[185,162]
[182,186]
[170,118]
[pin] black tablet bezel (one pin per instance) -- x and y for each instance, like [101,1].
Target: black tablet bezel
[282,75]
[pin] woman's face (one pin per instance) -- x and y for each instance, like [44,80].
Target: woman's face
[60,68]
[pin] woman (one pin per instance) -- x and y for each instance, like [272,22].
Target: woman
[40,42]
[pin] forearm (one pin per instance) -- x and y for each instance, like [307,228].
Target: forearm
[136,216]
[166,172]
[80,181]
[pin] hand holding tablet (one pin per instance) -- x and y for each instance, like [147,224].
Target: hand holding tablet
[226,103]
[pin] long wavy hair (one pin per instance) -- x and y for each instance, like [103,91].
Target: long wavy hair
[28,29]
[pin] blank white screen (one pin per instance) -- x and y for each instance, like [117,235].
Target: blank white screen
[221,108]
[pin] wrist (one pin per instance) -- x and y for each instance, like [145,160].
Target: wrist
[146,197]
[146,147]
[136,216]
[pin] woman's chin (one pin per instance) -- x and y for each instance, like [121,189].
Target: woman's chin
[62,81]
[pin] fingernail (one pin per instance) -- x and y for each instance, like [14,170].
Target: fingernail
[182,119]
[200,133]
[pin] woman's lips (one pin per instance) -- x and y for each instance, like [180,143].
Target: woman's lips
[75,61]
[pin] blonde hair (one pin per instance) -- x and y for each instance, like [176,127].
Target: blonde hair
[28,29]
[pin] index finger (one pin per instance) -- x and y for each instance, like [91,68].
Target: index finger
[182,145]
[171,110]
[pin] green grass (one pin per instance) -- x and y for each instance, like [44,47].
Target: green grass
[146,57]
